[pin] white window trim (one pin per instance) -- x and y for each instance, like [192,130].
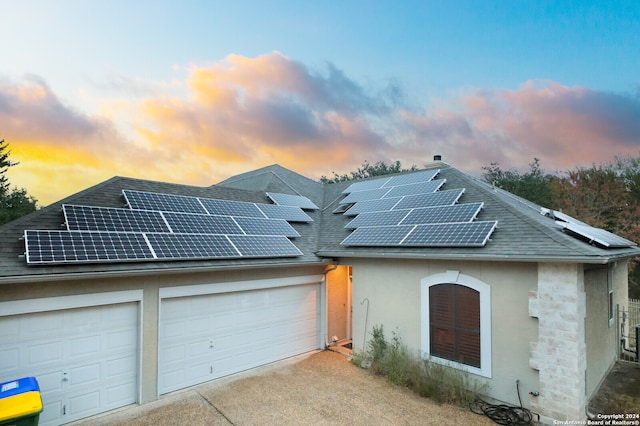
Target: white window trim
[455,277]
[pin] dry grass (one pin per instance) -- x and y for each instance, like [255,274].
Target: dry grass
[323,389]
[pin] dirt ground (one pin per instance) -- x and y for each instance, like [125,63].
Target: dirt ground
[620,392]
[323,389]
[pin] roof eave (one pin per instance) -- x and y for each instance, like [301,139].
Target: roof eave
[599,260]
[74,276]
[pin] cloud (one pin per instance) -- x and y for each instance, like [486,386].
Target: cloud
[563,126]
[270,109]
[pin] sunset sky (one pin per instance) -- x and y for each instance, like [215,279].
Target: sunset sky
[196,91]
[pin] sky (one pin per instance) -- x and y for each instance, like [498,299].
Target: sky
[193,92]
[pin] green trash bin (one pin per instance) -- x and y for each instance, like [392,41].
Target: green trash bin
[20,402]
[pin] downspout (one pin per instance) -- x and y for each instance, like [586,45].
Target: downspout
[326,305]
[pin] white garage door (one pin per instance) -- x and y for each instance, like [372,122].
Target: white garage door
[209,336]
[85,359]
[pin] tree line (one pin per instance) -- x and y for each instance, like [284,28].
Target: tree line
[604,195]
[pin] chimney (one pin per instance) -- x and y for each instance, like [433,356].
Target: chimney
[437,157]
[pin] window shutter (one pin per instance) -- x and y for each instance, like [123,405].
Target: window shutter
[454,323]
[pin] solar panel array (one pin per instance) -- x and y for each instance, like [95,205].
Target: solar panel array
[411,211]
[167,227]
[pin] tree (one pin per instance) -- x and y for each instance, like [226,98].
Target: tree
[5,163]
[13,203]
[605,196]
[534,186]
[368,170]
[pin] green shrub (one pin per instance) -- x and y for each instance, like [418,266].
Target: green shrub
[429,379]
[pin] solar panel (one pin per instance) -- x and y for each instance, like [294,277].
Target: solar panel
[369,194]
[424,176]
[264,246]
[377,236]
[441,198]
[85,218]
[201,223]
[44,247]
[596,235]
[163,202]
[257,226]
[191,246]
[367,184]
[415,188]
[388,217]
[566,218]
[372,206]
[231,208]
[288,213]
[442,214]
[471,234]
[292,200]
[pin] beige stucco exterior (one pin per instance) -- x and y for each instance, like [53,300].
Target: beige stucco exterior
[393,290]
[601,333]
[523,346]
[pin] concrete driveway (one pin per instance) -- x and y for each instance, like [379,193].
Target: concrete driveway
[323,388]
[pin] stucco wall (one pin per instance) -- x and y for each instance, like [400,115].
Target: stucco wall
[601,336]
[150,285]
[392,288]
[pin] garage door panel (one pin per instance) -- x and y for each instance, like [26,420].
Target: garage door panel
[119,395]
[246,329]
[86,375]
[121,340]
[83,405]
[84,346]
[44,354]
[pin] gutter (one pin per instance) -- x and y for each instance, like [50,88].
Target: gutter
[74,276]
[484,258]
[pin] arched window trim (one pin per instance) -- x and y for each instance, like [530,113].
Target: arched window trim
[455,277]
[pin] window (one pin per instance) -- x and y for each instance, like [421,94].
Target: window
[456,321]
[610,296]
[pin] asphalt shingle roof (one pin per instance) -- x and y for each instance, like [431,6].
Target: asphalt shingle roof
[523,233]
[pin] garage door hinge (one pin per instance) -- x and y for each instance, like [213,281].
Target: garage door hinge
[211,372]
[64,410]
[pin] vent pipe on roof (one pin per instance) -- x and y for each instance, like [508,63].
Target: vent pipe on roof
[437,157]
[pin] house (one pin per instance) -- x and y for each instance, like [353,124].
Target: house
[133,289]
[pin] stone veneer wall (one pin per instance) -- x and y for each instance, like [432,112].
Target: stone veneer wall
[559,355]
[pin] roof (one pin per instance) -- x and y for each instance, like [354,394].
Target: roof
[523,233]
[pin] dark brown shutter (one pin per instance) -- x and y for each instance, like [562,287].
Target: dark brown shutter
[454,323]
[441,321]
